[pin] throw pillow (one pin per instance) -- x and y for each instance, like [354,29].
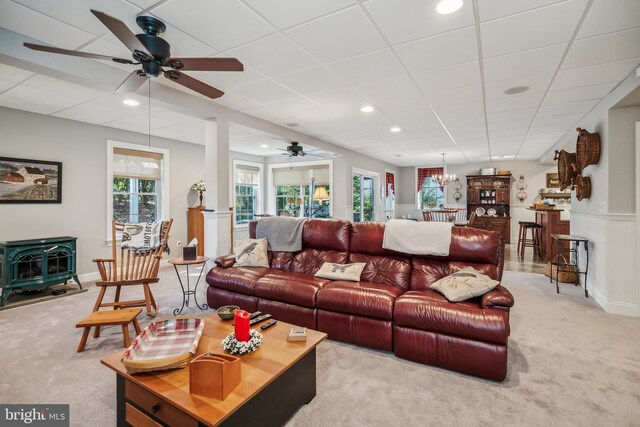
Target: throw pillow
[251,253]
[349,272]
[464,284]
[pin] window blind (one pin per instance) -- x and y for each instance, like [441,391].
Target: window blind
[301,175]
[247,175]
[136,164]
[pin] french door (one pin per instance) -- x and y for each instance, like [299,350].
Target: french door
[364,208]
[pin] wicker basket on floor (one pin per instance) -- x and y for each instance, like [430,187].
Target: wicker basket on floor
[563,276]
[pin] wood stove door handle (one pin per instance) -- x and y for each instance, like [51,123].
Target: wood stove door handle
[51,249]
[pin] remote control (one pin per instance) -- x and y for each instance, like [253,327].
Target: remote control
[259,319]
[255,314]
[268,324]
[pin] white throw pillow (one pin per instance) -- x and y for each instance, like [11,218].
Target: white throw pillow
[251,253]
[464,284]
[350,272]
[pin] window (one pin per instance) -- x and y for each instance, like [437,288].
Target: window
[363,198]
[247,192]
[137,183]
[431,194]
[301,191]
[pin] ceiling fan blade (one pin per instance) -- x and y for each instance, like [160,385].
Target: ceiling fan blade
[205,64]
[124,34]
[193,84]
[52,49]
[132,83]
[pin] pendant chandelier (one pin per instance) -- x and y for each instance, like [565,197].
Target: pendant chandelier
[444,179]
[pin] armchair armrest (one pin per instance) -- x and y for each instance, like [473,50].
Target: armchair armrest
[102,260]
[497,297]
[225,261]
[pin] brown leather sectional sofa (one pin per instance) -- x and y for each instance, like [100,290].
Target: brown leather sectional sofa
[392,307]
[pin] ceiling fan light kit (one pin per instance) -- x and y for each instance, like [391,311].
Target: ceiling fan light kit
[154,54]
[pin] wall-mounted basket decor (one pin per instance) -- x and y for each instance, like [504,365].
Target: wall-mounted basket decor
[587,148]
[566,172]
[583,187]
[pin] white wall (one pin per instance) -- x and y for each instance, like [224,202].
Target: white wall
[609,217]
[81,147]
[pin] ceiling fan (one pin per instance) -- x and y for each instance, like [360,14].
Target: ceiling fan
[154,54]
[294,150]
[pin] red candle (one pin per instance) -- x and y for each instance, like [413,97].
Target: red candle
[241,324]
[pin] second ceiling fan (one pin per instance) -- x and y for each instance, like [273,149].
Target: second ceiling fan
[154,54]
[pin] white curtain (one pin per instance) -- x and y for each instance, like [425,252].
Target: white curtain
[247,175]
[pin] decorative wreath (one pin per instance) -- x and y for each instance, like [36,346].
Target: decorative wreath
[233,346]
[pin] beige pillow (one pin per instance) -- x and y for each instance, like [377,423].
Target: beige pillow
[350,272]
[251,253]
[464,284]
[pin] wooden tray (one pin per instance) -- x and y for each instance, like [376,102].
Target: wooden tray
[164,344]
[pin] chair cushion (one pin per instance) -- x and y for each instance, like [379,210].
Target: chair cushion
[430,311]
[290,287]
[359,298]
[237,279]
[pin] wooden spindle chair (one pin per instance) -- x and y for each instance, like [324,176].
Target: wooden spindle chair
[130,268]
[427,216]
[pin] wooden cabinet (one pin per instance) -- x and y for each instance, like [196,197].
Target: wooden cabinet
[503,196]
[473,196]
[195,228]
[500,224]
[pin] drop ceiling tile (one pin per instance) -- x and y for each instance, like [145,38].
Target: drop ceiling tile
[23,20]
[516,102]
[264,91]
[343,102]
[608,16]
[27,100]
[595,74]
[537,84]
[398,87]
[521,64]
[273,55]
[185,46]
[563,122]
[448,78]
[370,67]
[221,24]
[455,47]
[568,108]
[537,28]
[287,13]
[456,96]
[303,109]
[607,48]
[579,94]
[405,20]
[344,34]
[515,115]
[493,9]
[262,112]
[53,92]
[235,102]
[11,76]
[68,12]
[93,112]
[311,80]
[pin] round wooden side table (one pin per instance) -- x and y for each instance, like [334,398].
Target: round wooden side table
[188,292]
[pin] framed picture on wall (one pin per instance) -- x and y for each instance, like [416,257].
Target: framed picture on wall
[553,181]
[30,181]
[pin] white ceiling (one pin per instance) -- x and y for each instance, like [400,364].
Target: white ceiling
[441,78]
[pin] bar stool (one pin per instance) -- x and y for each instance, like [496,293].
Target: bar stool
[533,242]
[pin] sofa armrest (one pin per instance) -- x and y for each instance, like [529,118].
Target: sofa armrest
[497,297]
[225,261]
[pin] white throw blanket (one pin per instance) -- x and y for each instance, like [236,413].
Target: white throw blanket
[418,238]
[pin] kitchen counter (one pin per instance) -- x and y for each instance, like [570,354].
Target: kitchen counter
[551,223]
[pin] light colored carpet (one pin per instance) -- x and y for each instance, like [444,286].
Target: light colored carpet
[570,363]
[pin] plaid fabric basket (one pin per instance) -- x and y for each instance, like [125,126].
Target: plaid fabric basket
[164,344]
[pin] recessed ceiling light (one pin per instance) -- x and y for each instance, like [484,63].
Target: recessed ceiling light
[264,146]
[395,129]
[516,90]
[446,7]
[367,109]
[131,102]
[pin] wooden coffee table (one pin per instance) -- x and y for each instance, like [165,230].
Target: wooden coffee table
[277,379]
